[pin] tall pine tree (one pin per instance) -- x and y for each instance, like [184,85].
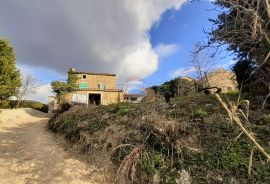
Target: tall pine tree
[10,81]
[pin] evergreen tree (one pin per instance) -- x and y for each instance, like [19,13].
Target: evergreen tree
[72,80]
[63,88]
[10,81]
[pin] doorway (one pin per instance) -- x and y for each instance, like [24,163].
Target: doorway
[94,99]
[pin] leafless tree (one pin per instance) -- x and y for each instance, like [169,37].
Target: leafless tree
[27,89]
[203,62]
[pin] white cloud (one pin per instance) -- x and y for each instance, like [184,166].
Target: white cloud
[232,62]
[181,72]
[165,50]
[96,35]
[41,93]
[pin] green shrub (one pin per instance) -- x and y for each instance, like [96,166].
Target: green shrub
[266,119]
[152,163]
[201,113]
[5,105]
[123,109]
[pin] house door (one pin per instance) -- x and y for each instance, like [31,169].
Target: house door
[94,99]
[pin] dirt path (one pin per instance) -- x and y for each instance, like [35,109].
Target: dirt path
[30,154]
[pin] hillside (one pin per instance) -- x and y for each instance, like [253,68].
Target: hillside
[189,140]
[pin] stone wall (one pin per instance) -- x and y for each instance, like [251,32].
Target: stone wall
[112,97]
[93,80]
[223,79]
[107,96]
[151,96]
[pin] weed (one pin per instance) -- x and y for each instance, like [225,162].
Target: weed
[266,119]
[200,113]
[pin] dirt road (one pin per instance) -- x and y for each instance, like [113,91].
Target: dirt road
[30,154]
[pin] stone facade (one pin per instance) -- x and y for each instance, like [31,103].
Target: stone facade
[94,79]
[96,88]
[223,79]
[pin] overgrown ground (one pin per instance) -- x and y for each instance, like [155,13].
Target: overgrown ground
[190,139]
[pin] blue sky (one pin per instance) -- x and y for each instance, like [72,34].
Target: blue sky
[183,28]
[145,40]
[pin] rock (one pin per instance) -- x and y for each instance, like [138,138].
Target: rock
[184,178]
[143,118]
[156,179]
[82,124]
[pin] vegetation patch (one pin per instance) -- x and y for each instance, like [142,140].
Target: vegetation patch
[190,137]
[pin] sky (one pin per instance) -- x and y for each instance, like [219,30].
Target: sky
[145,42]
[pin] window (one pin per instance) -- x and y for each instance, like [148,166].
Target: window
[84,76]
[101,86]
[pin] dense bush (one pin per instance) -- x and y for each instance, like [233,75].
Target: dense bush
[174,88]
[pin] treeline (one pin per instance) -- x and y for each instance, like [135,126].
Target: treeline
[10,104]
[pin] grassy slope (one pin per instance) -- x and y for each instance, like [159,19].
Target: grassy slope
[160,140]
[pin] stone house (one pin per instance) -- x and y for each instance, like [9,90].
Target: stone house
[96,89]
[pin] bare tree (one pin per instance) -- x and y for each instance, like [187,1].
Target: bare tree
[27,89]
[203,62]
